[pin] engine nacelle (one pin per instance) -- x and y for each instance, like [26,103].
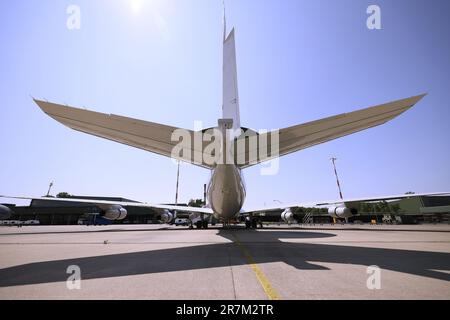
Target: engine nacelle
[167,216]
[114,212]
[287,216]
[5,212]
[341,212]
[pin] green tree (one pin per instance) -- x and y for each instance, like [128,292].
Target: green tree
[376,208]
[196,203]
[395,208]
[384,207]
[366,207]
[63,195]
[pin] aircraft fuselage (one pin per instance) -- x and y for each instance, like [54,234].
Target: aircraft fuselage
[226,191]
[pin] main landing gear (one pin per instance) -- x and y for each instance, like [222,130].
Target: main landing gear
[252,223]
[202,224]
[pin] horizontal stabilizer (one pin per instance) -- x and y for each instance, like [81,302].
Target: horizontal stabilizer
[306,135]
[149,136]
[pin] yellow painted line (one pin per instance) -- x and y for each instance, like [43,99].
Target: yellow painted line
[270,291]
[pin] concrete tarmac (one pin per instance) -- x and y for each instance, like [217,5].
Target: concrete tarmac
[161,262]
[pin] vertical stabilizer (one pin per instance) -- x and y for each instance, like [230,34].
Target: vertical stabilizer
[230,107]
[224,23]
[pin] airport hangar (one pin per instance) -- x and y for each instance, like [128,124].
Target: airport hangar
[423,209]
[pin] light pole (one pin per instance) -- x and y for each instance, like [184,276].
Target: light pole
[49,187]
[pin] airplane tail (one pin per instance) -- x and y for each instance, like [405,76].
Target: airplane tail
[230,107]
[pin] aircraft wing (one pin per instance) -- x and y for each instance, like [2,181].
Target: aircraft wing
[149,136]
[386,198]
[105,203]
[340,202]
[306,135]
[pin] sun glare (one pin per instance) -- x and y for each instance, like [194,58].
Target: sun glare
[136,5]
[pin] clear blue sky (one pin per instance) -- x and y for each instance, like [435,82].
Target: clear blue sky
[161,61]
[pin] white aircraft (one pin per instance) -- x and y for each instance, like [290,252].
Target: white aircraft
[226,189]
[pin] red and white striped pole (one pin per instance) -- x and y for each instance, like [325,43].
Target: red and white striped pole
[338,184]
[337,178]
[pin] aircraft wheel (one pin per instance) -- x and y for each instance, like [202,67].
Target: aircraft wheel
[205,224]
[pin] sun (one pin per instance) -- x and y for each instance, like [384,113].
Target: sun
[136,5]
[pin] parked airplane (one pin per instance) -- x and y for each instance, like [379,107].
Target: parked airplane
[226,189]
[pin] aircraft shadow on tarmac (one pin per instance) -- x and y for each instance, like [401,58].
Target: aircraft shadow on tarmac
[263,246]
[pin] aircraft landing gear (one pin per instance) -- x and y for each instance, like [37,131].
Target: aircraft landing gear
[202,224]
[251,223]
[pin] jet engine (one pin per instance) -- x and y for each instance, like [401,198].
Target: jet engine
[114,212]
[341,212]
[5,212]
[167,216]
[287,216]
